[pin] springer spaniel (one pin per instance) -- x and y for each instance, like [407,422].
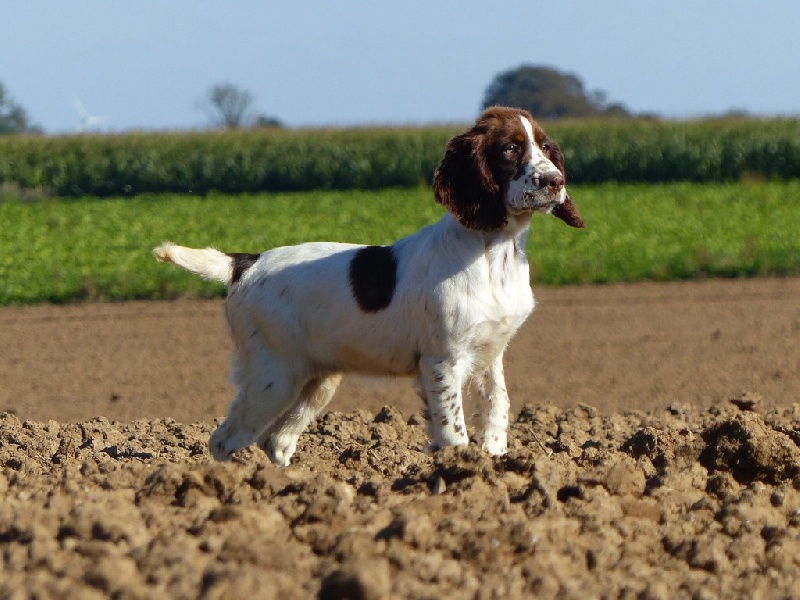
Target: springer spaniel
[441,304]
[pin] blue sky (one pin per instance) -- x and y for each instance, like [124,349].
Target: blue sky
[144,64]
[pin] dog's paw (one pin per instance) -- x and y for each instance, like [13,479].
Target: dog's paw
[430,448]
[433,447]
[280,448]
[495,443]
[223,443]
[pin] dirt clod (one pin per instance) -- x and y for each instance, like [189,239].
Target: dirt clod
[748,401]
[750,450]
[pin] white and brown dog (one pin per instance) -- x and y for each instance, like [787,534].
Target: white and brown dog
[441,304]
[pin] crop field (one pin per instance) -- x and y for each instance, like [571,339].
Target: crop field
[278,160]
[89,249]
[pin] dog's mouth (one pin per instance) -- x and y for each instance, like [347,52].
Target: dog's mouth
[540,199]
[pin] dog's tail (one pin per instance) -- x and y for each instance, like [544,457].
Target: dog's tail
[207,263]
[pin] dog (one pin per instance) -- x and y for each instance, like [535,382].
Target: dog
[441,304]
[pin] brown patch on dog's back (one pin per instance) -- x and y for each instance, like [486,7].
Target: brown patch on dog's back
[373,277]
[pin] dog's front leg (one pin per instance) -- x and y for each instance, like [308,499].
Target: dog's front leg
[492,422]
[441,383]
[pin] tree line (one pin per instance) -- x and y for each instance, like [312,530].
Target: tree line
[225,105]
[546,92]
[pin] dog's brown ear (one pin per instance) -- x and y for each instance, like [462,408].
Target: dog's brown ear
[464,185]
[568,213]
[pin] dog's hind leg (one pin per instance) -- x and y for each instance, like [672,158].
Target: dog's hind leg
[267,388]
[279,441]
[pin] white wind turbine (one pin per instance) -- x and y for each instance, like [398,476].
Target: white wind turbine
[88,121]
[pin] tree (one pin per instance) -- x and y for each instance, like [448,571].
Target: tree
[13,118]
[548,93]
[227,105]
[266,121]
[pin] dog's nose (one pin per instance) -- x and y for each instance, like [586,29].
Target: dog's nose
[553,180]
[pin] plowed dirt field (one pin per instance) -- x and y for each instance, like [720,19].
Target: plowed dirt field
[630,472]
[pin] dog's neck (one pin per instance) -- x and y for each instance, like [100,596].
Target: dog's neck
[514,233]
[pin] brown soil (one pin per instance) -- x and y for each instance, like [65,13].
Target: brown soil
[615,347]
[630,473]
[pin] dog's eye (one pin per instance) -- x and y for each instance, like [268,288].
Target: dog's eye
[511,149]
[546,146]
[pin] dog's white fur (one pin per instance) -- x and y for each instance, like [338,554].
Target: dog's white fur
[460,295]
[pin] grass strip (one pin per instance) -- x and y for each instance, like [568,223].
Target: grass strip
[68,250]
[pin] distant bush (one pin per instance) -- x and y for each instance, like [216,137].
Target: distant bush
[631,150]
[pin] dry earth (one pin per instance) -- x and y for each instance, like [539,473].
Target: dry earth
[615,347]
[630,473]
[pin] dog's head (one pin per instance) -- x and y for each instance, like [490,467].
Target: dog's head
[504,165]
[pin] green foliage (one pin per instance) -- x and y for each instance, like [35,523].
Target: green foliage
[67,250]
[672,231]
[13,118]
[547,93]
[727,149]
[277,160]
[236,161]
[88,249]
